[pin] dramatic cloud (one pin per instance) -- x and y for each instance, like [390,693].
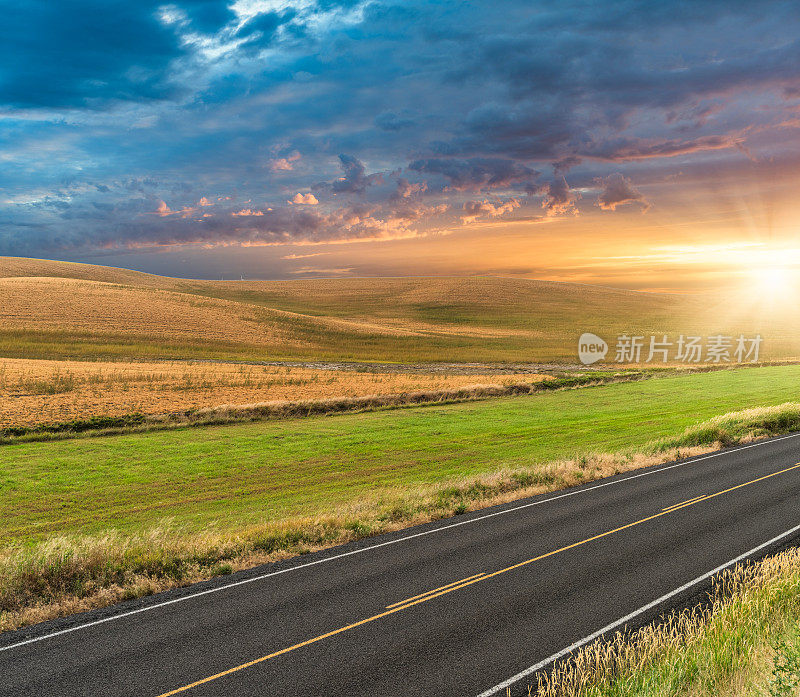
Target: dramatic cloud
[87,53]
[145,222]
[149,123]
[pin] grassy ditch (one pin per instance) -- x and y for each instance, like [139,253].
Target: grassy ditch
[744,642]
[58,575]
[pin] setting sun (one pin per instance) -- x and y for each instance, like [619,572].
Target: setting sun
[774,284]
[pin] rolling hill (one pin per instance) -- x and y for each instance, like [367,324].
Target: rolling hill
[56,309]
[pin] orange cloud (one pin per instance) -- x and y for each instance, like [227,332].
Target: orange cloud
[292,257]
[163,209]
[306,199]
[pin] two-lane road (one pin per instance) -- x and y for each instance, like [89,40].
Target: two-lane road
[461,607]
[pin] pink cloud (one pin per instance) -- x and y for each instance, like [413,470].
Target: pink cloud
[246,211]
[406,189]
[164,210]
[623,149]
[284,164]
[293,257]
[559,198]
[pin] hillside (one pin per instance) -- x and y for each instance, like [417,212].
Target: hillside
[26,267]
[64,310]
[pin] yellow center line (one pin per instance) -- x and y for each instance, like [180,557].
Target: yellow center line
[459,584]
[683,503]
[691,503]
[440,588]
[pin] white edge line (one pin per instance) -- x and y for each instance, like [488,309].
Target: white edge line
[614,625]
[261,577]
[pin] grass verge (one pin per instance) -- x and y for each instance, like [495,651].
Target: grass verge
[44,579]
[744,641]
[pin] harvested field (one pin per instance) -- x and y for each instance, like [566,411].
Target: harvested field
[58,304]
[45,391]
[78,311]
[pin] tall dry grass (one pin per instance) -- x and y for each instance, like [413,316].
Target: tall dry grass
[734,427]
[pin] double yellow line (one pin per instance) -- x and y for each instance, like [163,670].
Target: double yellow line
[449,587]
[463,583]
[683,504]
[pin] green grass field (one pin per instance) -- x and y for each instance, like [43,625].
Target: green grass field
[248,474]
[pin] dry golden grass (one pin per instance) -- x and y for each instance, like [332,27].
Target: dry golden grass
[47,391]
[728,646]
[23,266]
[56,309]
[58,304]
[149,314]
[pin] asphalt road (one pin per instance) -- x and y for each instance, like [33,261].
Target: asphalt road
[507,589]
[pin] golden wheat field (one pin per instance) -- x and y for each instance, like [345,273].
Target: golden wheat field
[46,391]
[57,304]
[62,310]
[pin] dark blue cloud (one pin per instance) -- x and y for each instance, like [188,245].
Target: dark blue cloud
[477,173]
[85,53]
[389,121]
[354,179]
[208,16]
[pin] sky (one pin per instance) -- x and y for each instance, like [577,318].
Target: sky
[643,144]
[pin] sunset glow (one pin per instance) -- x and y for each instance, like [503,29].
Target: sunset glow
[776,283]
